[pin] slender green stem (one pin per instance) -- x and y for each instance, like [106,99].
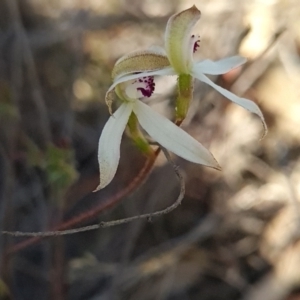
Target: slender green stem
[137,136]
[185,95]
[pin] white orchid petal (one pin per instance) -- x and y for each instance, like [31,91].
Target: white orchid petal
[245,103]
[172,137]
[109,144]
[219,67]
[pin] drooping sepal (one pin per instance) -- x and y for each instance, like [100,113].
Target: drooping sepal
[245,103]
[173,137]
[109,144]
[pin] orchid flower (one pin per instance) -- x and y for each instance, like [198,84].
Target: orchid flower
[177,59]
[159,128]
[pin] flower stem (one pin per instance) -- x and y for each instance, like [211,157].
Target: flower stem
[137,136]
[185,94]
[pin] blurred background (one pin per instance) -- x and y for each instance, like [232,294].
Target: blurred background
[236,234]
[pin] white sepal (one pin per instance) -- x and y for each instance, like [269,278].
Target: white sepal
[172,137]
[245,103]
[109,144]
[221,66]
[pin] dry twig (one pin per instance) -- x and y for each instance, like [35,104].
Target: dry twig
[148,216]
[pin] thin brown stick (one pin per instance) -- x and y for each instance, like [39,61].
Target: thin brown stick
[52,233]
[115,222]
[92,213]
[160,212]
